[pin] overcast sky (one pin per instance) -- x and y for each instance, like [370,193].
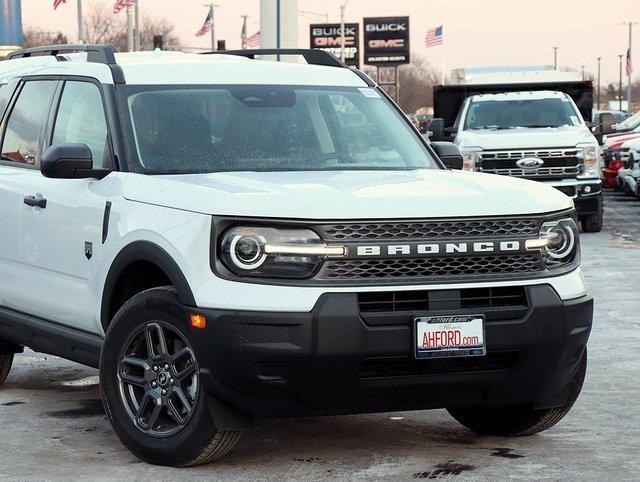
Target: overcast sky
[477,32]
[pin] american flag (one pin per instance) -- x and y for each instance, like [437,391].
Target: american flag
[57,3]
[434,36]
[206,26]
[121,4]
[629,66]
[253,42]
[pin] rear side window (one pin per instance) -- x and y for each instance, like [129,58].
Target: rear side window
[26,121]
[81,120]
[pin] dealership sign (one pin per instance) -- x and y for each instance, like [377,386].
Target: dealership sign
[386,40]
[328,37]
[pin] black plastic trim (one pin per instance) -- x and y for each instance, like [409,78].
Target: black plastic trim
[312,56]
[288,364]
[97,53]
[50,337]
[143,251]
[105,221]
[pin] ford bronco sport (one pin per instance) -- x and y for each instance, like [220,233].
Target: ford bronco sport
[228,238]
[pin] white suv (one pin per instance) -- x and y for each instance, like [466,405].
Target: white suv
[229,238]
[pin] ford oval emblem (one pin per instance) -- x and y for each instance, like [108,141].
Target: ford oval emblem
[530,162]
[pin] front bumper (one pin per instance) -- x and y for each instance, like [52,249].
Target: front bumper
[586,194]
[333,360]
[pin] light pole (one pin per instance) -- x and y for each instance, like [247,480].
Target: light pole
[80,24]
[555,58]
[583,72]
[343,7]
[598,93]
[620,85]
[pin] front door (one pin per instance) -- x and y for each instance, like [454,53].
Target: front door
[60,243]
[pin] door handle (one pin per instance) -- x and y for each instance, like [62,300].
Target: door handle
[35,201]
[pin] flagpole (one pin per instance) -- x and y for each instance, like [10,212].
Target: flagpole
[137,35]
[443,64]
[130,45]
[213,29]
[80,23]
[243,35]
[629,70]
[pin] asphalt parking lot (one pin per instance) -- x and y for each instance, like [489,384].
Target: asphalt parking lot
[52,425]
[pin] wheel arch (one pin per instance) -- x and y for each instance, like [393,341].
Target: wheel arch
[142,251]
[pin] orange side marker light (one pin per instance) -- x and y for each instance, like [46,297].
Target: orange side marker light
[198,321]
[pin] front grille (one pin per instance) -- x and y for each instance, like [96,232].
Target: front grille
[429,267]
[403,366]
[469,298]
[557,162]
[429,229]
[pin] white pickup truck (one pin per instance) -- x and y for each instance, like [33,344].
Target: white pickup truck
[533,134]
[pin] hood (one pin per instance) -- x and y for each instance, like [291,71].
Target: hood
[633,144]
[347,194]
[615,142]
[525,138]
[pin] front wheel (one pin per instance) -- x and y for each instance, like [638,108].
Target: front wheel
[520,420]
[593,223]
[6,361]
[150,382]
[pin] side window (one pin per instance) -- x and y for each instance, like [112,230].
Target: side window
[81,119]
[25,123]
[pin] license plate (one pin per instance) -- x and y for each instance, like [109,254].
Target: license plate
[449,336]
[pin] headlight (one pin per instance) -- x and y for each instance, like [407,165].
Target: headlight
[263,252]
[559,242]
[590,160]
[470,156]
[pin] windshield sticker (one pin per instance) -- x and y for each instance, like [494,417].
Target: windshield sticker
[371,93]
[574,120]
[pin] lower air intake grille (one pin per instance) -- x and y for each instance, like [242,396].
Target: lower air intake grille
[388,367]
[480,298]
[430,267]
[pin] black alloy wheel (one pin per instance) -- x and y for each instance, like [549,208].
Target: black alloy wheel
[158,379]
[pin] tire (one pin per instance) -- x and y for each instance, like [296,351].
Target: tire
[172,424]
[593,223]
[520,420]
[6,361]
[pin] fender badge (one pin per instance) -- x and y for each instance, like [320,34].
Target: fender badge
[88,249]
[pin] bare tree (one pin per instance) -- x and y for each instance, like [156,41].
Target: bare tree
[101,25]
[34,37]
[415,81]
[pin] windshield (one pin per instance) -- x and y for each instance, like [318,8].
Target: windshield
[200,129]
[529,113]
[630,122]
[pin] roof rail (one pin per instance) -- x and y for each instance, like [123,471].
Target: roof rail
[312,56]
[101,54]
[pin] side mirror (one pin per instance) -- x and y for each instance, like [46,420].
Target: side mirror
[436,129]
[449,154]
[607,122]
[69,161]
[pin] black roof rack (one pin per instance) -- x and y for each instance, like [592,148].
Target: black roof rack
[101,54]
[312,56]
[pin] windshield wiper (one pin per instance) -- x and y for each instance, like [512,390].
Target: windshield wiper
[538,126]
[492,128]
